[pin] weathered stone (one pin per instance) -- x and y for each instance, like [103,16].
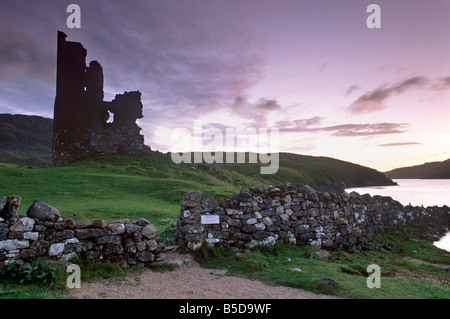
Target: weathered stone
[83,224]
[12,244]
[31,235]
[328,281]
[120,221]
[324,254]
[48,224]
[150,231]
[248,229]
[140,245]
[109,239]
[113,249]
[145,256]
[99,223]
[28,253]
[90,233]
[260,226]
[70,223]
[234,211]
[219,272]
[59,225]
[280,210]
[313,212]
[116,228]
[176,262]
[133,228]
[2,203]
[41,247]
[152,245]
[287,199]
[64,234]
[43,211]
[9,207]
[56,249]
[23,225]
[142,222]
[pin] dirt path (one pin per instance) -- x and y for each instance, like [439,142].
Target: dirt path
[190,282]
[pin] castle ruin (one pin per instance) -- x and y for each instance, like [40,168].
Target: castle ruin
[80,122]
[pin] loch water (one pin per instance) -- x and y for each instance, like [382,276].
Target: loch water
[417,192]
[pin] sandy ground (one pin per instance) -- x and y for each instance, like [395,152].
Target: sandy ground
[188,283]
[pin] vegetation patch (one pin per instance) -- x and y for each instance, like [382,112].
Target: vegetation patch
[400,278]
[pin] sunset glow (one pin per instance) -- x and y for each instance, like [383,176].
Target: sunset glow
[313,69]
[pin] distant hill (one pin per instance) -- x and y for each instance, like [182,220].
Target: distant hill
[26,140]
[433,170]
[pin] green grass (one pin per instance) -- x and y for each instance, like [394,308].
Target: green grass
[151,186]
[400,278]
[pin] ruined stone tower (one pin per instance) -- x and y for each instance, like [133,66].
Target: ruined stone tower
[80,120]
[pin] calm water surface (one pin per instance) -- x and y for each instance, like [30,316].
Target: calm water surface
[417,192]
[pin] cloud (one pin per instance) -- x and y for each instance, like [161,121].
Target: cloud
[351,130]
[270,105]
[343,130]
[399,144]
[299,125]
[257,113]
[352,89]
[199,52]
[373,101]
[22,55]
[441,84]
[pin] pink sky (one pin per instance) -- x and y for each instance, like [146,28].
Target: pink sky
[333,87]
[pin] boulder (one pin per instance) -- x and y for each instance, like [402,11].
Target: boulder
[150,231]
[99,223]
[43,211]
[70,223]
[56,249]
[152,245]
[13,244]
[145,256]
[324,254]
[9,207]
[23,225]
[219,272]
[116,228]
[328,281]
[90,233]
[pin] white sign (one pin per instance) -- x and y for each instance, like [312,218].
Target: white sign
[209,219]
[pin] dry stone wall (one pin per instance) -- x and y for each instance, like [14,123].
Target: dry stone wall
[298,215]
[44,233]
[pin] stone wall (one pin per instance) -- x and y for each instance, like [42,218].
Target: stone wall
[44,233]
[298,215]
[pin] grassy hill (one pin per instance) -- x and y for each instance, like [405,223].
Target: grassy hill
[151,186]
[433,170]
[25,140]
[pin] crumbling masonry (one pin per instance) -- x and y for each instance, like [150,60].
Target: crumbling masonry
[81,126]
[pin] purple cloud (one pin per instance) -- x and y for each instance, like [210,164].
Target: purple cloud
[373,101]
[343,130]
[399,144]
